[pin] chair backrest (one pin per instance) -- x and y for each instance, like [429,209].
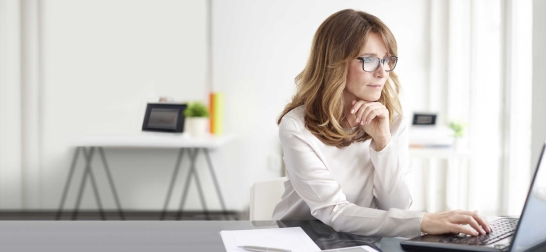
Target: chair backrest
[264,196]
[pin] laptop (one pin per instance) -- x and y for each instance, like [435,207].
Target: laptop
[527,233]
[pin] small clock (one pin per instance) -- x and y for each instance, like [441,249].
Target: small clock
[164,117]
[424,119]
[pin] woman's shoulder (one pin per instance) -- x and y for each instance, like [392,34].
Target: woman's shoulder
[296,114]
[294,119]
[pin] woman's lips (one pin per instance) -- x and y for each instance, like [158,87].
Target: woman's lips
[375,86]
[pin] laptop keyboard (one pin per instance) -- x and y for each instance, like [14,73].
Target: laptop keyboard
[502,228]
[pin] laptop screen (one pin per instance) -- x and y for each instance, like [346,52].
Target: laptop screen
[532,224]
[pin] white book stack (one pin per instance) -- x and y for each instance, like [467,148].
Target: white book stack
[430,136]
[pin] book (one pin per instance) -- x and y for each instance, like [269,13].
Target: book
[217,116]
[211,112]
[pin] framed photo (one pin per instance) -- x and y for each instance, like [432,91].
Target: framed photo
[424,119]
[164,117]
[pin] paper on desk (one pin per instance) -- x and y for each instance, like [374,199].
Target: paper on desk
[293,238]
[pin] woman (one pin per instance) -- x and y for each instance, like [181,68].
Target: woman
[345,142]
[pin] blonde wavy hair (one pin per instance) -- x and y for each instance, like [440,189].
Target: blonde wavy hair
[320,85]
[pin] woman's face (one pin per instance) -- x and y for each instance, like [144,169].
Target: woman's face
[363,85]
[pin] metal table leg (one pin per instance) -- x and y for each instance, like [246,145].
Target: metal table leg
[185,192]
[216,185]
[173,179]
[88,159]
[199,188]
[68,180]
[96,191]
[120,212]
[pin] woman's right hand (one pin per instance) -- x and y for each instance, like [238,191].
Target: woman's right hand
[454,222]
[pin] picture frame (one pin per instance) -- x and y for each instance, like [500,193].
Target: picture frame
[164,117]
[424,119]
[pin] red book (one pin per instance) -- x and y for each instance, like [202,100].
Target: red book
[211,113]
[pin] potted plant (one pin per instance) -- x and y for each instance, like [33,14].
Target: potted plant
[458,133]
[197,115]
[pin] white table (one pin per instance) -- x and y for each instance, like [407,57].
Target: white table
[89,143]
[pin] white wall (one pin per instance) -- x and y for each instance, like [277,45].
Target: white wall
[539,81]
[102,60]
[258,49]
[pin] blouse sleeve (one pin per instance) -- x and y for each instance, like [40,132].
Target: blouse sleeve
[316,186]
[391,165]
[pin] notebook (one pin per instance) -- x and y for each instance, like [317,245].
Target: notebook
[527,233]
[293,239]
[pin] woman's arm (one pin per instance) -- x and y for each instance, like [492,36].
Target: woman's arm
[315,185]
[391,164]
[388,152]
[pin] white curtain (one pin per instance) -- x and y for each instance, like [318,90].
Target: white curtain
[10,105]
[480,61]
[19,105]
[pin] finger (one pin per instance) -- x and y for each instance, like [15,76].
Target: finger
[481,220]
[469,219]
[455,228]
[369,117]
[378,111]
[356,107]
[361,111]
[365,111]
[361,115]
[373,111]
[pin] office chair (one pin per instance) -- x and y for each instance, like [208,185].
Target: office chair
[264,196]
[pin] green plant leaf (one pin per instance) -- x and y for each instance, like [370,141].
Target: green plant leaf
[458,128]
[196,109]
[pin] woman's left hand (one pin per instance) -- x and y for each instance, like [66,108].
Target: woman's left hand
[373,117]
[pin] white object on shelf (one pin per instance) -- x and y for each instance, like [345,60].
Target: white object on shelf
[197,126]
[426,135]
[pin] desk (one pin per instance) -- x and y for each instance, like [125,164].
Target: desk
[148,235]
[155,235]
[88,144]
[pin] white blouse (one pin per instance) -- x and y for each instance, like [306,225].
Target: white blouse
[354,189]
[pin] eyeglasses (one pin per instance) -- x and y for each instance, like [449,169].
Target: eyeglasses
[371,64]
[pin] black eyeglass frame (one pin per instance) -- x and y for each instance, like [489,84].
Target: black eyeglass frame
[381,62]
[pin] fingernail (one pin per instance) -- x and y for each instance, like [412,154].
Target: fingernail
[362,123]
[352,111]
[357,119]
[476,233]
[366,122]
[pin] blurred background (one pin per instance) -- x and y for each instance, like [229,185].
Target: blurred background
[72,67]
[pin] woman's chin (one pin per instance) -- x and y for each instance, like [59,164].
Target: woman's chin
[370,98]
